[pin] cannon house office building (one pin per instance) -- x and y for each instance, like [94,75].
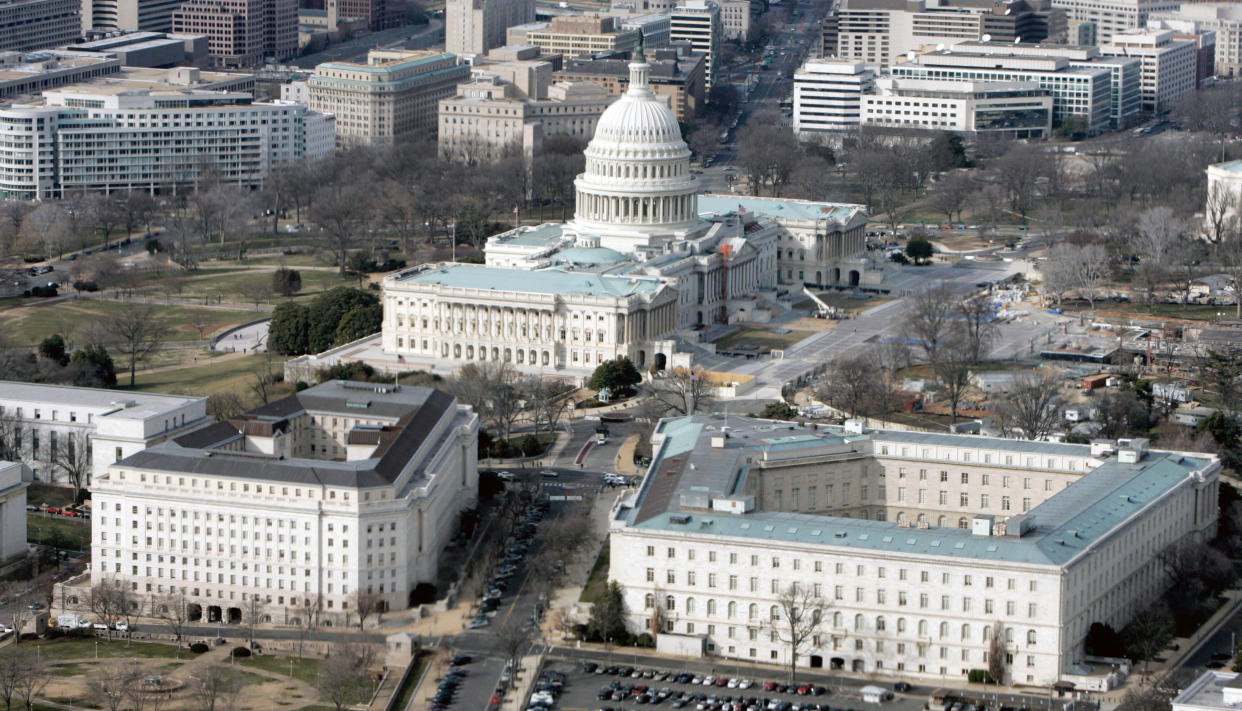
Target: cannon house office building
[920,546]
[299,503]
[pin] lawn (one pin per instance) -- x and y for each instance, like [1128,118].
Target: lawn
[66,648]
[43,493]
[223,373]
[305,670]
[760,340]
[406,692]
[597,581]
[245,286]
[1192,312]
[28,326]
[69,533]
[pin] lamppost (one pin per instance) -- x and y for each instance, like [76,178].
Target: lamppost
[290,667]
[97,649]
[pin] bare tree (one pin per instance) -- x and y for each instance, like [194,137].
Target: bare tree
[1158,231]
[856,387]
[33,678]
[71,452]
[341,210]
[13,669]
[682,390]
[101,214]
[1092,270]
[344,677]
[173,610]
[1221,213]
[253,611]
[138,332]
[307,620]
[215,685]
[952,193]
[1032,408]
[976,327]
[930,319]
[996,654]
[796,618]
[953,369]
[513,639]
[547,401]
[48,225]
[1230,258]
[109,686]
[366,603]
[107,598]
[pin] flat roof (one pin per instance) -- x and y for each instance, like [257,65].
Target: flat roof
[710,204]
[542,281]
[687,465]
[114,402]
[1233,166]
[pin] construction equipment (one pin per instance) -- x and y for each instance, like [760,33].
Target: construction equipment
[823,310]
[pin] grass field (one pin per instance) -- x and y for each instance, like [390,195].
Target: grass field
[68,533]
[304,670]
[27,326]
[597,581]
[220,374]
[1193,312]
[44,493]
[66,648]
[246,286]
[763,339]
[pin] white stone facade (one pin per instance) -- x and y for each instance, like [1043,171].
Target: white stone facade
[341,487]
[827,96]
[13,482]
[1168,64]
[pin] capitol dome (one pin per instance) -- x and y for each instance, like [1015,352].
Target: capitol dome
[637,184]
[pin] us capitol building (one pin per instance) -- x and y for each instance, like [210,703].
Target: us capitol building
[644,261]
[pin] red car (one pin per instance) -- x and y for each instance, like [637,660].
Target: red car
[769,686]
[53,510]
[67,512]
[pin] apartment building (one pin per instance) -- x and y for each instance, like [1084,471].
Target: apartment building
[921,547]
[1013,110]
[242,33]
[477,26]
[699,23]
[27,25]
[1081,92]
[1169,64]
[100,138]
[676,73]
[574,35]
[293,507]
[132,15]
[393,93]
[1125,72]
[47,426]
[489,116]
[1108,17]
[827,96]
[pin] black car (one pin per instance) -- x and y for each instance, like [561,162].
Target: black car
[461,659]
[902,687]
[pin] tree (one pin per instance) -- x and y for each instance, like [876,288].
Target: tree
[1221,213]
[1149,632]
[328,310]
[607,621]
[286,281]
[929,319]
[342,208]
[996,654]
[215,685]
[13,668]
[48,225]
[1145,697]
[780,410]
[547,401]
[952,369]
[366,603]
[110,685]
[307,619]
[1158,231]
[107,598]
[1229,255]
[1221,373]
[91,366]
[71,453]
[288,333]
[920,249]
[359,322]
[138,331]
[616,375]
[513,640]
[798,615]
[32,678]
[344,677]
[253,611]
[172,609]
[976,328]
[101,213]
[856,386]
[682,390]
[53,348]
[1032,408]
[953,192]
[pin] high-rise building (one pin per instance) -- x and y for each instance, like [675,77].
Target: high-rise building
[574,35]
[392,94]
[242,33]
[39,24]
[1168,64]
[827,96]
[698,22]
[148,15]
[1112,16]
[473,27]
[1225,19]
[378,14]
[114,138]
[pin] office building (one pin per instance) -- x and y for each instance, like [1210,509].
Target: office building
[676,73]
[242,33]
[88,428]
[920,547]
[14,477]
[474,27]
[1079,93]
[641,6]
[698,22]
[1126,73]
[1012,110]
[1224,19]
[735,19]
[881,32]
[375,14]
[490,116]
[574,35]
[148,49]
[129,15]
[19,75]
[654,28]
[827,97]
[114,138]
[295,506]
[392,94]
[1108,17]
[1213,690]
[27,25]
[1169,64]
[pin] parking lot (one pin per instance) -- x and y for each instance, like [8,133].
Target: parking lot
[675,687]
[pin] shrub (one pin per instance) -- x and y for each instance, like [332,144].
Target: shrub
[54,633]
[240,652]
[82,285]
[979,676]
[530,445]
[646,640]
[199,647]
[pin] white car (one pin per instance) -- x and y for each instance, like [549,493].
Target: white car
[506,476]
[550,473]
[5,629]
[99,626]
[121,627]
[745,684]
[733,683]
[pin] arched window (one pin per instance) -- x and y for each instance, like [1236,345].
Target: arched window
[711,608]
[669,603]
[901,516]
[963,522]
[1030,636]
[965,633]
[942,521]
[922,628]
[922,518]
[816,616]
[987,633]
[649,601]
[836,620]
[944,630]
[774,613]
[753,612]
[689,606]
[1009,634]
[858,623]
[732,609]
[879,623]
[901,624]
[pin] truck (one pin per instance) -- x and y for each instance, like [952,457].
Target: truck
[71,622]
